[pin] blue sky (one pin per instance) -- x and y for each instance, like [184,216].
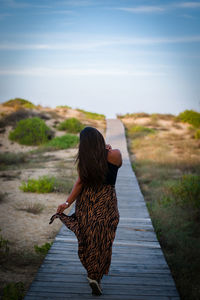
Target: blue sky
[107,56]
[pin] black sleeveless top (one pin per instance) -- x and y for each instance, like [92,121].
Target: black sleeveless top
[111,175]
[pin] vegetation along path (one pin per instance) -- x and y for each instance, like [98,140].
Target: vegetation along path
[138,270]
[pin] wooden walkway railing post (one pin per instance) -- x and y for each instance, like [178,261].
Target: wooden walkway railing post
[138,270]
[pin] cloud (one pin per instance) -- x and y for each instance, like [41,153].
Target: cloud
[53,72]
[159,8]
[189,5]
[77,2]
[142,9]
[56,12]
[157,40]
[17,4]
[187,16]
[92,45]
[66,46]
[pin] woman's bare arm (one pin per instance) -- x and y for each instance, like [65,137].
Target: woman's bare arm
[115,157]
[72,197]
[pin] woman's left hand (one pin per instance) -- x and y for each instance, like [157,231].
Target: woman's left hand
[61,208]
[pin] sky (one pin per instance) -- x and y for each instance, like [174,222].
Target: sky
[106,56]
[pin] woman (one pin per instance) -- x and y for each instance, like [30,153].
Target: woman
[96,212]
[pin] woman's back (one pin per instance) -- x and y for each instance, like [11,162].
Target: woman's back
[114,161]
[111,175]
[96,214]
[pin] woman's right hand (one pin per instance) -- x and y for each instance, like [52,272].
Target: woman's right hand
[108,147]
[61,208]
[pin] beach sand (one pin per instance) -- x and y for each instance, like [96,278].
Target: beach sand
[21,228]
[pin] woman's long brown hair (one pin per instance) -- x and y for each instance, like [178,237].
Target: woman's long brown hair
[92,157]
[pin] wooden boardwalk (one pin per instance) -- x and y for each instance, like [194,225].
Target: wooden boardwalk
[138,270]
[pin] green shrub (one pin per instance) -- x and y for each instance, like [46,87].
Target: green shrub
[186,190]
[92,115]
[190,116]
[32,131]
[63,142]
[43,249]
[136,131]
[19,102]
[14,291]
[197,134]
[72,125]
[44,184]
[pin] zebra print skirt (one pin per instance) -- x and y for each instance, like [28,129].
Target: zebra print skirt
[94,223]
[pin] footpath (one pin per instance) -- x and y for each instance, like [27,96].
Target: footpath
[138,269]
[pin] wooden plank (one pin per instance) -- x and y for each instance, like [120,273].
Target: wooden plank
[140,264]
[109,290]
[65,295]
[59,255]
[118,242]
[161,264]
[138,269]
[114,270]
[127,280]
[120,285]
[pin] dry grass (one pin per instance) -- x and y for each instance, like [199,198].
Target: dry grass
[160,160]
[19,266]
[2,197]
[33,207]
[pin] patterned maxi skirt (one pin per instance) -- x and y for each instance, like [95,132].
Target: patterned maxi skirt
[94,223]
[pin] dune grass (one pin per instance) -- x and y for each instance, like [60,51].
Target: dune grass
[63,185]
[136,131]
[19,102]
[20,260]
[10,158]
[20,160]
[21,114]
[2,197]
[4,248]
[24,160]
[92,115]
[167,166]
[133,115]
[63,106]
[33,207]
[14,290]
